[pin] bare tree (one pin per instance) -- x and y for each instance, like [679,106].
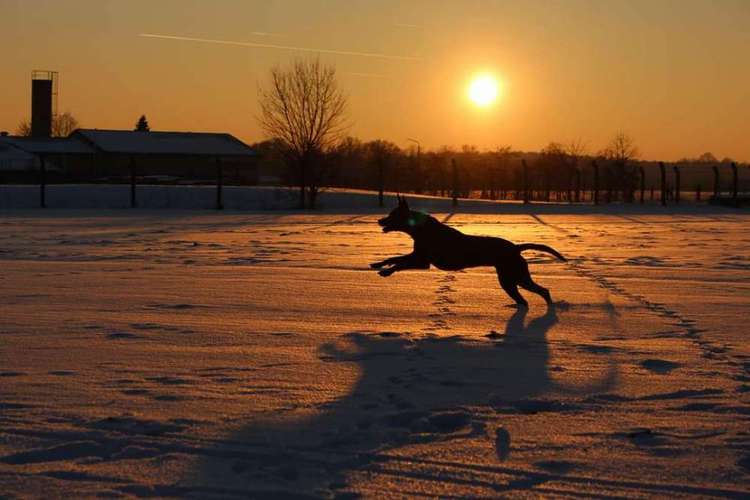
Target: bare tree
[576,150]
[500,172]
[620,150]
[305,108]
[554,163]
[24,129]
[62,125]
[707,157]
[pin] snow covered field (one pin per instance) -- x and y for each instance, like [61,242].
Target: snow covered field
[198,354]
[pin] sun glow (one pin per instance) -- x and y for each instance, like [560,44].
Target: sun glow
[483,90]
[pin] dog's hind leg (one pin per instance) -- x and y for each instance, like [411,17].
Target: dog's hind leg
[510,285]
[537,289]
[527,283]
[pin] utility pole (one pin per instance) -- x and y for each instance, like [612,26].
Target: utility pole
[42,181]
[132,182]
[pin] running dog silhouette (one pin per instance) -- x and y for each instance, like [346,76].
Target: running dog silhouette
[450,250]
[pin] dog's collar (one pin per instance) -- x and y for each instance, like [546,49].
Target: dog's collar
[416,219]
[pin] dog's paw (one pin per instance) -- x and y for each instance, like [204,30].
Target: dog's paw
[386,272]
[377,265]
[518,306]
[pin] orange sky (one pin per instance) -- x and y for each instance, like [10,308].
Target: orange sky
[673,74]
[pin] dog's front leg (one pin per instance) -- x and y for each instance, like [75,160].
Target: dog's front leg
[412,262]
[387,272]
[391,261]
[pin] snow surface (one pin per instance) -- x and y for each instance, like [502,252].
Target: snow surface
[235,355]
[203,197]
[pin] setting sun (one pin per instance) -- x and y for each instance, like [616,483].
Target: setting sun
[483,90]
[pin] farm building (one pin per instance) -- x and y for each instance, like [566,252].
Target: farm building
[20,157]
[93,155]
[13,160]
[181,157]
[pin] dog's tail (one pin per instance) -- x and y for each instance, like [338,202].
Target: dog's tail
[540,248]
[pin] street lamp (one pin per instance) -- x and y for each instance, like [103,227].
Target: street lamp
[419,150]
[419,146]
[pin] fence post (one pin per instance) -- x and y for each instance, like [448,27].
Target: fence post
[735,182]
[381,181]
[698,192]
[42,181]
[663,184]
[716,181]
[643,184]
[596,181]
[443,180]
[677,184]
[132,181]
[570,190]
[578,185]
[219,184]
[493,183]
[525,180]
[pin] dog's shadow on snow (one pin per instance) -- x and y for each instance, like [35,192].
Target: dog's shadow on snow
[410,390]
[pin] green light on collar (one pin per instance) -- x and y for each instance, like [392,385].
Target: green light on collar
[416,219]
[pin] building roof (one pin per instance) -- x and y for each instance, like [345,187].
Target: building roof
[50,145]
[13,158]
[163,143]
[9,152]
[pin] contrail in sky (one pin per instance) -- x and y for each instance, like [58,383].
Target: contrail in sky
[367,75]
[281,47]
[264,33]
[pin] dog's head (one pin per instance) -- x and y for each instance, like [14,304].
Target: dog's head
[401,218]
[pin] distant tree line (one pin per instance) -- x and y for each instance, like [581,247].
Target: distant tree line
[559,172]
[303,111]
